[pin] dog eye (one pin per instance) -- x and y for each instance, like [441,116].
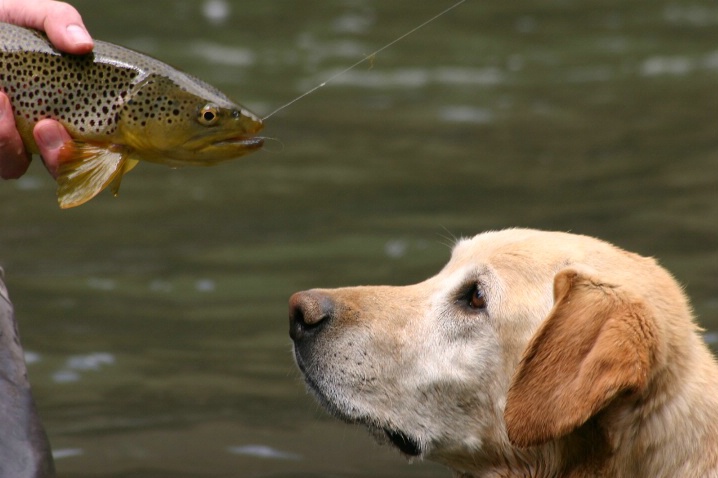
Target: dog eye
[477,300]
[473,297]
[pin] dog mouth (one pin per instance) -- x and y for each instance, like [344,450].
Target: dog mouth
[406,444]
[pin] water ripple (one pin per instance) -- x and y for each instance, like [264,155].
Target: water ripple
[263,451]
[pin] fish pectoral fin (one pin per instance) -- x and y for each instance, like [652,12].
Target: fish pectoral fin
[85,169]
[128,166]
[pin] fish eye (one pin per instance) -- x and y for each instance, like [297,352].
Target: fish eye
[208,115]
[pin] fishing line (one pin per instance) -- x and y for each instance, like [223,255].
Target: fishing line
[269,149]
[370,56]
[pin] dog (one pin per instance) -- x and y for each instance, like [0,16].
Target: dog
[530,354]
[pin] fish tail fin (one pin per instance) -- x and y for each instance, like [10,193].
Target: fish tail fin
[85,169]
[128,166]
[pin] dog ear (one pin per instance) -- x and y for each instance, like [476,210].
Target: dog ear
[595,344]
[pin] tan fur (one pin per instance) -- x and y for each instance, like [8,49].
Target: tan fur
[595,345]
[585,362]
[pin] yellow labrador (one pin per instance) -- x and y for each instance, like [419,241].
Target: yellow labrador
[530,354]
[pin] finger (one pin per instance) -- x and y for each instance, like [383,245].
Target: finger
[65,29]
[50,137]
[61,21]
[14,160]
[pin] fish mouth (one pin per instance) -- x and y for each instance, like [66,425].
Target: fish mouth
[229,148]
[252,142]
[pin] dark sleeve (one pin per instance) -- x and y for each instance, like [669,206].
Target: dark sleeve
[24,447]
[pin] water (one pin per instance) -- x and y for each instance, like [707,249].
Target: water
[155,323]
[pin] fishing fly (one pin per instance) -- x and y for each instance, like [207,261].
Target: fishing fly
[370,57]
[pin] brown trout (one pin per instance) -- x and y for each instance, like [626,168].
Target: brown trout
[120,107]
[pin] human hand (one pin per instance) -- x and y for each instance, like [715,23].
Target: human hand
[65,29]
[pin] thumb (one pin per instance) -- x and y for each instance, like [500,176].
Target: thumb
[50,137]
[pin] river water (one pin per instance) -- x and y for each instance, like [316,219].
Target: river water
[155,323]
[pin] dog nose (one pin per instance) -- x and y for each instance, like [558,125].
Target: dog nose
[308,312]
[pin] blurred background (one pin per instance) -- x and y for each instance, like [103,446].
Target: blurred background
[155,323]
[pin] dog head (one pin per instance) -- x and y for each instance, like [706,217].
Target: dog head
[522,340]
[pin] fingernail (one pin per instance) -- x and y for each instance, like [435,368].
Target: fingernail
[79,35]
[50,135]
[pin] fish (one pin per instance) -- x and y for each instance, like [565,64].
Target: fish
[120,107]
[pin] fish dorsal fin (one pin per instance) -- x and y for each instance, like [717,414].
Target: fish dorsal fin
[128,166]
[86,169]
